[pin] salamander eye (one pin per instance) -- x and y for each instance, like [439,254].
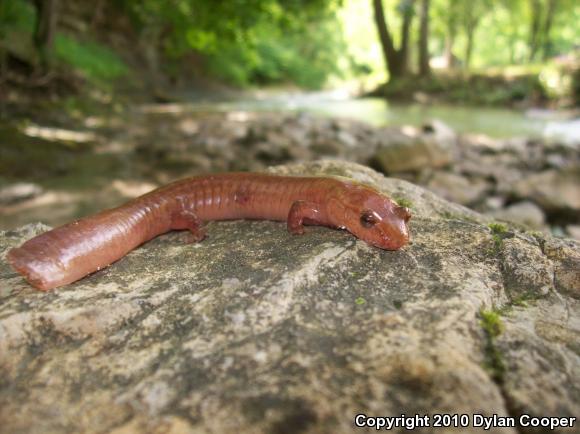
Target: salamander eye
[368,219]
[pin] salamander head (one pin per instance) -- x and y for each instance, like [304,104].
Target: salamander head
[371,216]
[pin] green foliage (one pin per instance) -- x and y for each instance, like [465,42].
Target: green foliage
[96,61]
[16,14]
[248,41]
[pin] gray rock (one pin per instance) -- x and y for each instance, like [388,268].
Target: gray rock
[258,331]
[458,188]
[555,190]
[573,231]
[414,150]
[566,259]
[527,272]
[19,192]
[525,213]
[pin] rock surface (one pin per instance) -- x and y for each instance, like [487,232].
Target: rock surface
[525,213]
[258,331]
[413,150]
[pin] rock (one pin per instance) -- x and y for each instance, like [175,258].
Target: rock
[574,231]
[494,203]
[554,190]
[525,213]
[457,188]
[19,192]
[251,141]
[527,273]
[566,258]
[258,331]
[441,134]
[413,150]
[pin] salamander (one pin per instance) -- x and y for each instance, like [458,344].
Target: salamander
[70,252]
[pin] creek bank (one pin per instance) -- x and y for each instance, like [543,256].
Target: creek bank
[523,181]
[524,89]
[235,333]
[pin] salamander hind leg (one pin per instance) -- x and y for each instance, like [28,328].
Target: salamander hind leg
[187,219]
[303,212]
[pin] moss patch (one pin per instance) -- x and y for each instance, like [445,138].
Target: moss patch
[360,301]
[402,201]
[499,231]
[493,326]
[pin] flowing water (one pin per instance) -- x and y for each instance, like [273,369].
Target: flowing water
[492,121]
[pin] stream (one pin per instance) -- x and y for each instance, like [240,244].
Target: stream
[492,121]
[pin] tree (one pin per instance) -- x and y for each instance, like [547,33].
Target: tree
[424,69]
[471,15]
[547,43]
[396,60]
[45,29]
[534,35]
[542,15]
[450,15]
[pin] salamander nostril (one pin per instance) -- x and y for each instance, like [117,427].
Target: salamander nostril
[403,213]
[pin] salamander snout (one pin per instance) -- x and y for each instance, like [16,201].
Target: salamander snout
[385,230]
[376,219]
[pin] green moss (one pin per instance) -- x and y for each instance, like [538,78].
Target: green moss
[523,300]
[493,326]
[491,322]
[402,201]
[498,228]
[498,231]
[360,301]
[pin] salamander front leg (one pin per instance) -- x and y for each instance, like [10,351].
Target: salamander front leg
[303,212]
[187,219]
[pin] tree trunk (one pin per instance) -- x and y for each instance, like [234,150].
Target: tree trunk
[407,6]
[468,47]
[45,29]
[424,69]
[389,52]
[395,60]
[2,36]
[449,43]
[451,27]
[533,40]
[547,40]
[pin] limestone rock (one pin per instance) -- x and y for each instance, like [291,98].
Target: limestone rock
[19,192]
[258,331]
[413,150]
[525,213]
[457,188]
[574,231]
[552,189]
[566,258]
[527,273]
